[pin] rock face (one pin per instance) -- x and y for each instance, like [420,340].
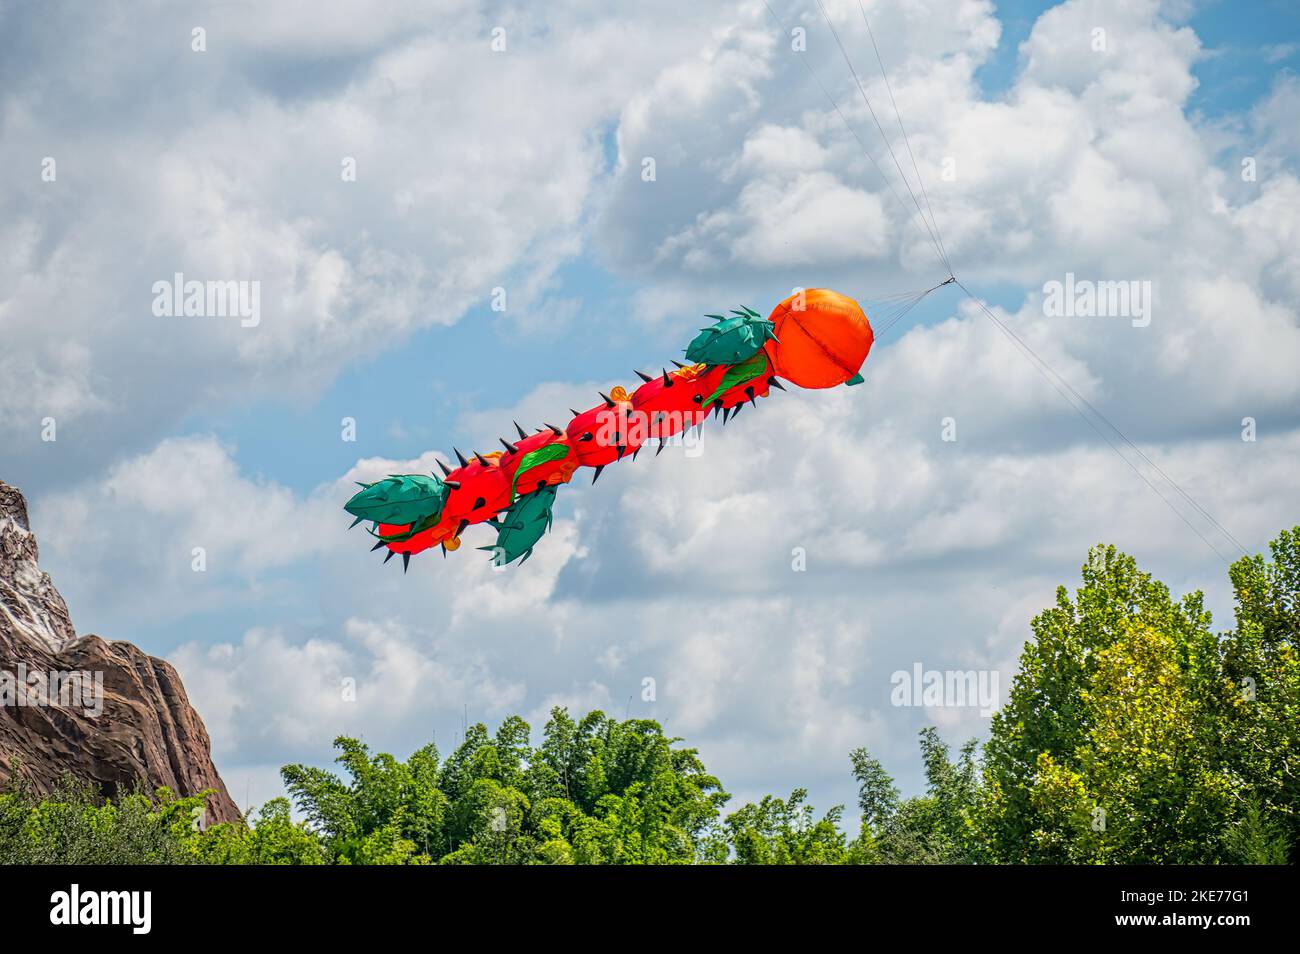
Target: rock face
[103,712]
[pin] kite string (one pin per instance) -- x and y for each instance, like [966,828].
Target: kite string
[894,311]
[884,138]
[1070,395]
[899,116]
[803,58]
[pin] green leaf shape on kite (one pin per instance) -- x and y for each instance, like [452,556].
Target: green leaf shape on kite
[540,455]
[400,498]
[754,367]
[732,340]
[520,527]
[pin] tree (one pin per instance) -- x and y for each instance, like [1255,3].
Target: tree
[388,812]
[1049,713]
[786,832]
[935,828]
[1261,675]
[1147,784]
[273,839]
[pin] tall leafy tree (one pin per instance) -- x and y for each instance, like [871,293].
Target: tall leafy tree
[1049,715]
[1261,671]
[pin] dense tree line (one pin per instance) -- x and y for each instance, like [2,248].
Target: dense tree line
[1134,733]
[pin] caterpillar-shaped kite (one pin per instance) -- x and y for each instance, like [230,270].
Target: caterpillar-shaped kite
[814,339]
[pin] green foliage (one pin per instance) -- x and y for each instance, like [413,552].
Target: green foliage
[72,825]
[1133,734]
[387,812]
[273,839]
[776,832]
[1056,732]
[1255,838]
[935,828]
[1261,677]
[597,791]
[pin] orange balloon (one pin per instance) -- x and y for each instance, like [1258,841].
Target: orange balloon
[822,338]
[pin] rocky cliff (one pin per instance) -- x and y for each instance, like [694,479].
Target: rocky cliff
[102,711]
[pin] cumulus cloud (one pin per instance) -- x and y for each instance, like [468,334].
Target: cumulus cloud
[373,677]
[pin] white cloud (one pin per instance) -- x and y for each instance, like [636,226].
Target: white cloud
[269,696]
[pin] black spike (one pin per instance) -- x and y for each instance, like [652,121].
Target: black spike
[508,446]
[735,411]
[668,382]
[482,460]
[609,402]
[391,554]
[772,382]
[460,528]
[635,452]
[587,437]
[750,391]
[381,543]
[453,484]
[596,476]
[726,412]
[444,550]
[622,449]
[573,412]
[461,457]
[678,363]
[643,376]
[556,430]
[445,469]
[661,447]
[406,562]
[522,435]
[479,502]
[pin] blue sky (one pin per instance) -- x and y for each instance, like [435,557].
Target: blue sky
[477,172]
